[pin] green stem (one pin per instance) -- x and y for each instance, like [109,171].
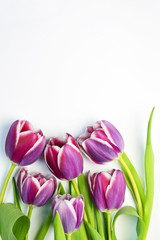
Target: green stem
[109,225]
[78,193]
[134,186]
[6,182]
[29,216]
[68,236]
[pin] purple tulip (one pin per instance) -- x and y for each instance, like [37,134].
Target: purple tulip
[63,157]
[107,190]
[71,211]
[24,145]
[35,189]
[101,142]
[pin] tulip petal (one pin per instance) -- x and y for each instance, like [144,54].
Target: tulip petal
[45,193]
[58,141]
[72,140]
[29,189]
[12,138]
[102,181]
[113,135]
[70,161]
[78,204]
[99,133]
[91,179]
[26,126]
[99,151]
[25,142]
[34,152]
[67,215]
[21,177]
[50,156]
[116,191]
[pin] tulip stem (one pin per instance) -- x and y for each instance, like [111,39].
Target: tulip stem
[29,216]
[68,236]
[109,226]
[6,182]
[134,186]
[73,181]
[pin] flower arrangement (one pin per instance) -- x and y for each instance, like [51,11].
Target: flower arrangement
[86,211]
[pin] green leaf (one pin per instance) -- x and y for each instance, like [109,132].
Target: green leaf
[44,228]
[16,195]
[136,178]
[72,190]
[58,228]
[61,189]
[94,234]
[82,184]
[149,175]
[99,222]
[128,210]
[14,225]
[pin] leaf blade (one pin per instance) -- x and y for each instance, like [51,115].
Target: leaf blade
[14,225]
[128,210]
[58,228]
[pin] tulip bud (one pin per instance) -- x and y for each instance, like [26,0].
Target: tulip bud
[35,189]
[71,211]
[63,157]
[101,142]
[107,190]
[24,145]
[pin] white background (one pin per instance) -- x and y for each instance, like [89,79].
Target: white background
[65,64]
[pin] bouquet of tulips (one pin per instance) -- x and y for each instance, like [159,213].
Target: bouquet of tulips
[86,211]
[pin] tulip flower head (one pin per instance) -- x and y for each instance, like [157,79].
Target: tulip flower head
[107,190]
[24,145]
[63,157]
[35,189]
[101,142]
[71,211]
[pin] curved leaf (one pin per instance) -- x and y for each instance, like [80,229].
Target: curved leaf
[14,225]
[128,210]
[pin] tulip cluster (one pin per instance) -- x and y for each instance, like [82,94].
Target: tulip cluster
[101,143]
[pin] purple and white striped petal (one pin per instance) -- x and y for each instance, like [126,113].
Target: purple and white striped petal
[101,184]
[67,215]
[116,191]
[50,156]
[113,134]
[78,204]
[34,152]
[30,188]
[70,161]
[21,177]
[25,142]
[12,138]
[45,193]
[99,151]
[71,140]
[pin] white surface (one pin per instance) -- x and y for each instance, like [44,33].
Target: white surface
[66,64]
